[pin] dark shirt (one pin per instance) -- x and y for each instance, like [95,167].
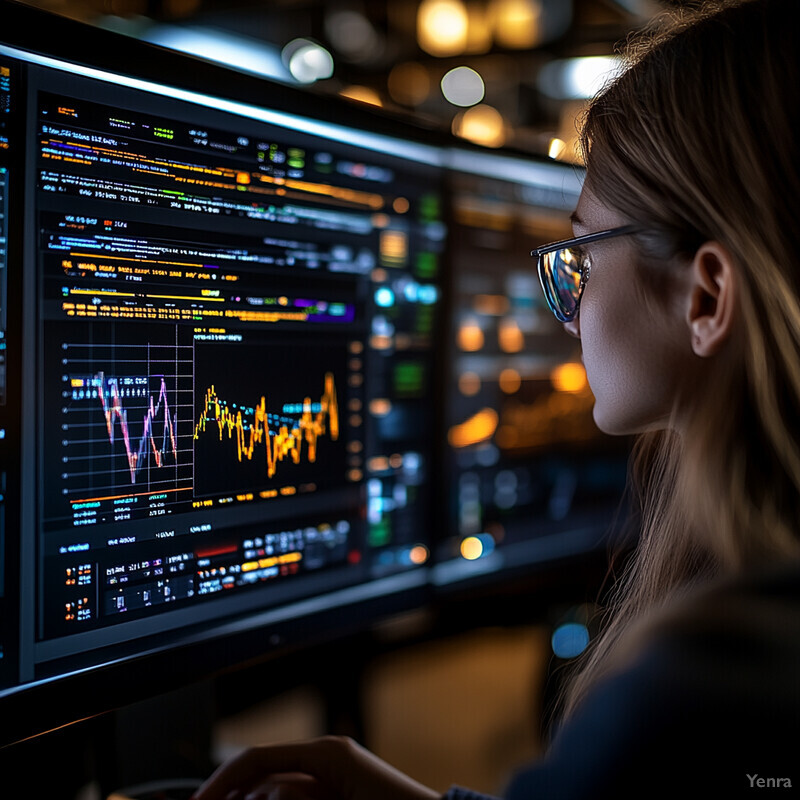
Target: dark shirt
[710,707]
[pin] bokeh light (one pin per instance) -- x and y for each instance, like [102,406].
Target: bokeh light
[481,124]
[516,23]
[569,640]
[557,148]
[569,377]
[510,381]
[470,336]
[363,94]
[577,78]
[463,86]
[307,61]
[353,35]
[409,83]
[469,384]
[480,427]
[510,336]
[442,27]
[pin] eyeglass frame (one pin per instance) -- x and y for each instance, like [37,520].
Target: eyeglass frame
[539,252]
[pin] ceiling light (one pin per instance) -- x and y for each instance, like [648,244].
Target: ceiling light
[307,60]
[577,78]
[463,86]
[557,148]
[442,27]
[481,124]
[517,23]
[479,29]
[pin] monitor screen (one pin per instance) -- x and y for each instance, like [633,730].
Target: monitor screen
[528,478]
[220,321]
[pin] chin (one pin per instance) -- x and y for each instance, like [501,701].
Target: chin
[616,424]
[606,424]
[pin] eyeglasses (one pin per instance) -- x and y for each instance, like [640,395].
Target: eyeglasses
[564,268]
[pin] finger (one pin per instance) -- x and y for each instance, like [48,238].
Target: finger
[344,770]
[297,787]
[294,786]
[254,766]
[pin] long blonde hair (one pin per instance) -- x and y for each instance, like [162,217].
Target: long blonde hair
[694,142]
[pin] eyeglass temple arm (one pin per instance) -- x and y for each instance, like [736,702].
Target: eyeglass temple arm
[587,239]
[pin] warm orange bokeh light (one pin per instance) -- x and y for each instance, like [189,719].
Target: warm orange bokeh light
[569,377]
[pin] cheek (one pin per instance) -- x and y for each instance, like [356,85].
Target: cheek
[630,370]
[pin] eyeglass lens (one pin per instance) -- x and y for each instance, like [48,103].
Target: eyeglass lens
[561,273]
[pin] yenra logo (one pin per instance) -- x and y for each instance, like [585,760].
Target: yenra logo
[769,783]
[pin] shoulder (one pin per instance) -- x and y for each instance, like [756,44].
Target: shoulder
[725,662]
[711,696]
[739,634]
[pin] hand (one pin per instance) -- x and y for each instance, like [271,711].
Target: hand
[329,768]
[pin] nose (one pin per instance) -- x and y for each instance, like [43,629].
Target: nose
[573,327]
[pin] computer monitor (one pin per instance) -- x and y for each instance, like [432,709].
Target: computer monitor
[529,480]
[219,305]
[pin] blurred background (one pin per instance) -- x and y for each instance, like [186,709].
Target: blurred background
[511,73]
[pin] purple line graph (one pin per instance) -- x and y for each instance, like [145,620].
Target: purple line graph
[157,412]
[126,418]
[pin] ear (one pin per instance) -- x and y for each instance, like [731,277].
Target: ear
[712,299]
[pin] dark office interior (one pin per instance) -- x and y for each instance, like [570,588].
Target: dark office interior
[395,519]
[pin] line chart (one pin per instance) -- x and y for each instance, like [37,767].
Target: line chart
[145,425]
[113,410]
[125,421]
[282,437]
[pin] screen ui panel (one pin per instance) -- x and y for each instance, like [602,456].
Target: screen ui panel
[529,476]
[224,341]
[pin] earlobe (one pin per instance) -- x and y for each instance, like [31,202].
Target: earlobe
[712,299]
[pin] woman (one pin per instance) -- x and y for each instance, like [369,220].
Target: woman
[688,310]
